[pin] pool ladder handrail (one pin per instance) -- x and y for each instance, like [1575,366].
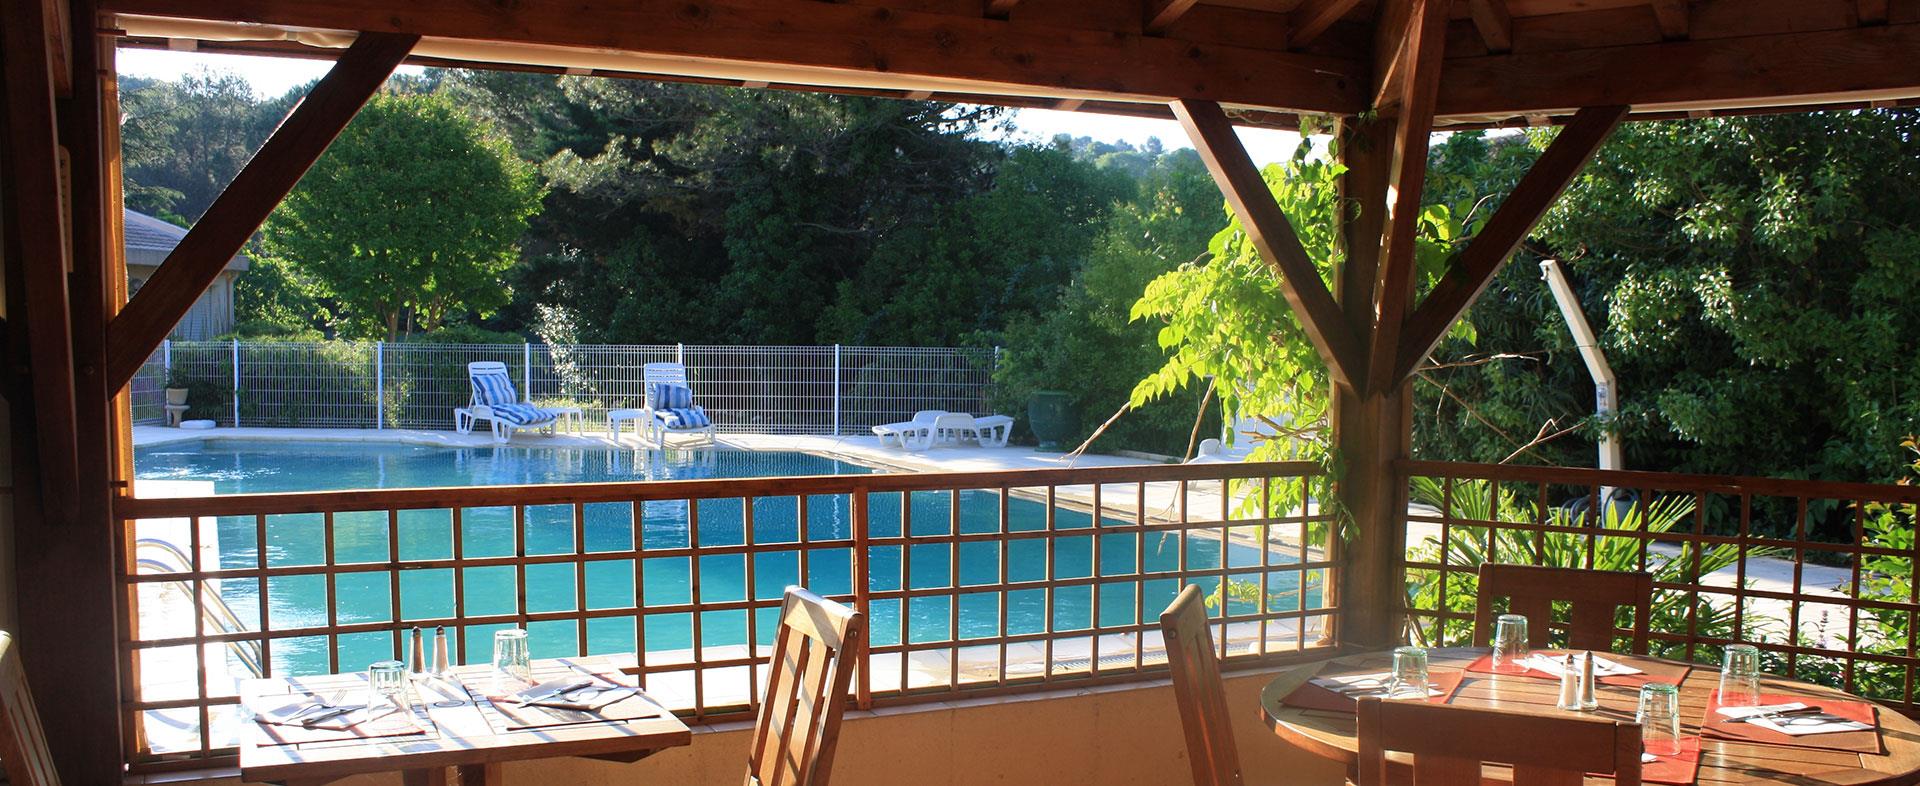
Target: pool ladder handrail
[214,610]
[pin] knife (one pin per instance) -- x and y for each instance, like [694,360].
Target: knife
[560,691]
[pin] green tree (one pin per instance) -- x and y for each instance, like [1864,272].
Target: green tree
[182,142]
[1085,343]
[410,218]
[1736,269]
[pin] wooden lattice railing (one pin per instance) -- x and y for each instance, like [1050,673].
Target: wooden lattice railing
[1817,574]
[973,582]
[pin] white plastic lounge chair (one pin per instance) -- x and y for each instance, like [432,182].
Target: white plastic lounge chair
[990,431]
[495,401]
[669,405]
[915,434]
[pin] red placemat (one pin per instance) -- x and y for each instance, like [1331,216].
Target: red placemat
[1313,697]
[1679,770]
[1720,727]
[1651,671]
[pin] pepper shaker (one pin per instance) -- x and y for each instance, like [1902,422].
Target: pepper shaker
[416,652]
[1589,698]
[440,665]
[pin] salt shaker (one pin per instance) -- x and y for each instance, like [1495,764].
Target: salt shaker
[1589,698]
[440,665]
[1569,685]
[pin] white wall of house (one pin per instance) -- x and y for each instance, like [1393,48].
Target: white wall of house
[211,315]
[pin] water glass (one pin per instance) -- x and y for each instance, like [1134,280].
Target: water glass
[1659,718]
[1740,676]
[1510,650]
[1409,674]
[512,670]
[386,682]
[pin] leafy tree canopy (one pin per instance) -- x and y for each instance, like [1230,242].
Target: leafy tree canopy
[410,217]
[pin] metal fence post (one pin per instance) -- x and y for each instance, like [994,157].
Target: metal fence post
[526,371]
[236,383]
[680,354]
[379,385]
[836,390]
[166,359]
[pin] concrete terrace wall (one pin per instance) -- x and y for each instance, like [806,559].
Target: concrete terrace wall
[1113,736]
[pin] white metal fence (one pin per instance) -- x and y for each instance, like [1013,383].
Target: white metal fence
[770,390]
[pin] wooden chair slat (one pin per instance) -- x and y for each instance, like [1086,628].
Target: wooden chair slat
[1592,595]
[1449,744]
[799,723]
[23,743]
[1198,689]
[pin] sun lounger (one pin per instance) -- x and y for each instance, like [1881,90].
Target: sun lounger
[495,401]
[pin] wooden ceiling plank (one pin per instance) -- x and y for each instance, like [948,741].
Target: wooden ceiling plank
[245,203]
[1823,67]
[1313,17]
[1494,22]
[999,9]
[1164,13]
[1873,12]
[1425,35]
[1673,18]
[1490,248]
[1272,234]
[842,37]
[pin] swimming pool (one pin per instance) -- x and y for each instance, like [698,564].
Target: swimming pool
[301,601]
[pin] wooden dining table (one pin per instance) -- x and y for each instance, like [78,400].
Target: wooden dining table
[459,727]
[1332,734]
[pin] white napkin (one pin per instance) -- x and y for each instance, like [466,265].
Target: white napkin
[1358,685]
[1794,725]
[1554,664]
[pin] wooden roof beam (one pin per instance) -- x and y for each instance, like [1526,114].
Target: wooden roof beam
[1313,17]
[1425,37]
[245,203]
[1494,22]
[968,53]
[1474,267]
[1272,234]
[1806,68]
[1672,15]
[999,9]
[1161,14]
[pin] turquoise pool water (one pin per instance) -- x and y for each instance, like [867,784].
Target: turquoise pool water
[609,582]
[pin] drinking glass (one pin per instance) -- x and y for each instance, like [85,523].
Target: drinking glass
[1740,676]
[1659,718]
[511,669]
[386,681]
[1510,648]
[1409,674]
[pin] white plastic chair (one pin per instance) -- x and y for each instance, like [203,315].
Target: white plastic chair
[915,434]
[495,400]
[658,418]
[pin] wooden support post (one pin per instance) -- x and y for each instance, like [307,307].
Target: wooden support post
[66,590]
[1271,233]
[1419,82]
[31,200]
[1475,266]
[245,204]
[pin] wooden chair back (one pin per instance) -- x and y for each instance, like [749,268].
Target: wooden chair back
[1592,595]
[1449,744]
[1199,691]
[813,661]
[23,745]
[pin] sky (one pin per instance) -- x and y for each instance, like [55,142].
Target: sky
[272,76]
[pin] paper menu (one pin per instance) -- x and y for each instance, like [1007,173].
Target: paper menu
[1798,725]
[1358,685]
[1555,664]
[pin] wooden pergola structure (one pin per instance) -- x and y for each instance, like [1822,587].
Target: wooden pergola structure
[1386,73]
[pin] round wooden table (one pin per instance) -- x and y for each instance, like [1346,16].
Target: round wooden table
[1331,734]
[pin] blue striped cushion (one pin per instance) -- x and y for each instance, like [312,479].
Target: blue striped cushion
[494,390]
[685,417]
[672,395]
[521,414]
